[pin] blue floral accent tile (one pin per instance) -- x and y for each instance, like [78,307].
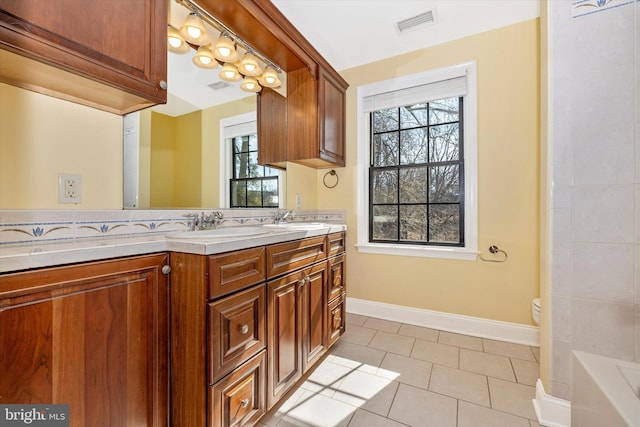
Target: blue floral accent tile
[588,7]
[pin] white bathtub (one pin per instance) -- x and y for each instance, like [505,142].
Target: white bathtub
[605,391]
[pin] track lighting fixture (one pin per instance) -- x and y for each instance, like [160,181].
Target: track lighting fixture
[193,34]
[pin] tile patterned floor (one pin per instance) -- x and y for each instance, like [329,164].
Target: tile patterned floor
[387,374]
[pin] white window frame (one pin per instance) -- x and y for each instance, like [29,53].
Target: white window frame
[469,251]
[248,123]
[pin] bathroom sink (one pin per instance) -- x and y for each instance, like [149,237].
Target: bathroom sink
[297,226]
[220,232]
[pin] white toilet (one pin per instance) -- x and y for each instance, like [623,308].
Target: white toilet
[535,310]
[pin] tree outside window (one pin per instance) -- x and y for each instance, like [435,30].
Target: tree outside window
[416,174]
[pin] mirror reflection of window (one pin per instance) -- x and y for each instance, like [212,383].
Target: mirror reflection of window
[252,185]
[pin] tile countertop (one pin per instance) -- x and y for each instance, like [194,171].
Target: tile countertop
[34,255]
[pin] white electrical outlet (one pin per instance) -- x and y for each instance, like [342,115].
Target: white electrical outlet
[298,200]
[69,188]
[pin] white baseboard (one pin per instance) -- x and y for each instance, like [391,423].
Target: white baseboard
[467,325]
[551,411]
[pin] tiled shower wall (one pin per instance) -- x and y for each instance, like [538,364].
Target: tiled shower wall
[595,165]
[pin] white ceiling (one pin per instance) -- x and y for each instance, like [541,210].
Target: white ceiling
[348,33]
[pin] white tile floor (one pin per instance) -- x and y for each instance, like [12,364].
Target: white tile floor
[384,373]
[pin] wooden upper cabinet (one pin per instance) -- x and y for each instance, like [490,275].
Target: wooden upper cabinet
[272,129]
[112,57]
[316,116]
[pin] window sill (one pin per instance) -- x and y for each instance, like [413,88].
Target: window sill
[464,254]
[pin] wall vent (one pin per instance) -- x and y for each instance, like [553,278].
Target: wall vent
[219,85]
[416,22]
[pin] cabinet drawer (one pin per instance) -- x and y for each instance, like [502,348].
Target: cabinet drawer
[239,399]
[335,244]
[234,271]
[236,330]
[337,274]
[337,318]
[289,256]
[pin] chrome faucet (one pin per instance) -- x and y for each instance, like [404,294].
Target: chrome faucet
[281,216]
[203,221]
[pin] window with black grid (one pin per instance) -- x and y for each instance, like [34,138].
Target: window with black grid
[416,174]
[252,185]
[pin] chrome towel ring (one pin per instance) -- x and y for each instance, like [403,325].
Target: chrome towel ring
[495,250]
[332,172]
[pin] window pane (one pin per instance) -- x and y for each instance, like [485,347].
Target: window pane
[413,116]
[413,146]
[270,171]
[255,170]
[413,223]
[444,185]
[385,223]
[253,142]
[385,149]
[270,193]
[385,120]
[444,223]
[444,111]
[444,142]
[238,193]
[241,165]
[413,185]
[254,194]
[385,186]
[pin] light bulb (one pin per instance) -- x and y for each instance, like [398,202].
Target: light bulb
[249,65]
[224,49]
[250,85]
[204,58]
[175,42]
[193,30]
[269,78]
[229,73]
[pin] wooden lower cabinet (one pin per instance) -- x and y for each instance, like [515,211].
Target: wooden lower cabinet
[247,325]
[93,336]
[296,318]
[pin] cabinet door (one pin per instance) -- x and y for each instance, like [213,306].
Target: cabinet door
[93,336]
[272,129]
[337,318]
[284,325]
[239,398]
[314,314]
[331,109]
[236,330]
[336,277]
[74,45]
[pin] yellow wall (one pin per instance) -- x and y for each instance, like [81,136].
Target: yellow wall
[187,165]
[41,137]
[163,131]
[508,176]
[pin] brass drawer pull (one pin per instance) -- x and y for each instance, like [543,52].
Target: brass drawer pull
[244,329]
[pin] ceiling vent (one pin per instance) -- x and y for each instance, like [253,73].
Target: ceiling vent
[219,85]
[416,22]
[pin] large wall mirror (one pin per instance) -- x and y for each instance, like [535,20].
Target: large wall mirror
[181,155]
